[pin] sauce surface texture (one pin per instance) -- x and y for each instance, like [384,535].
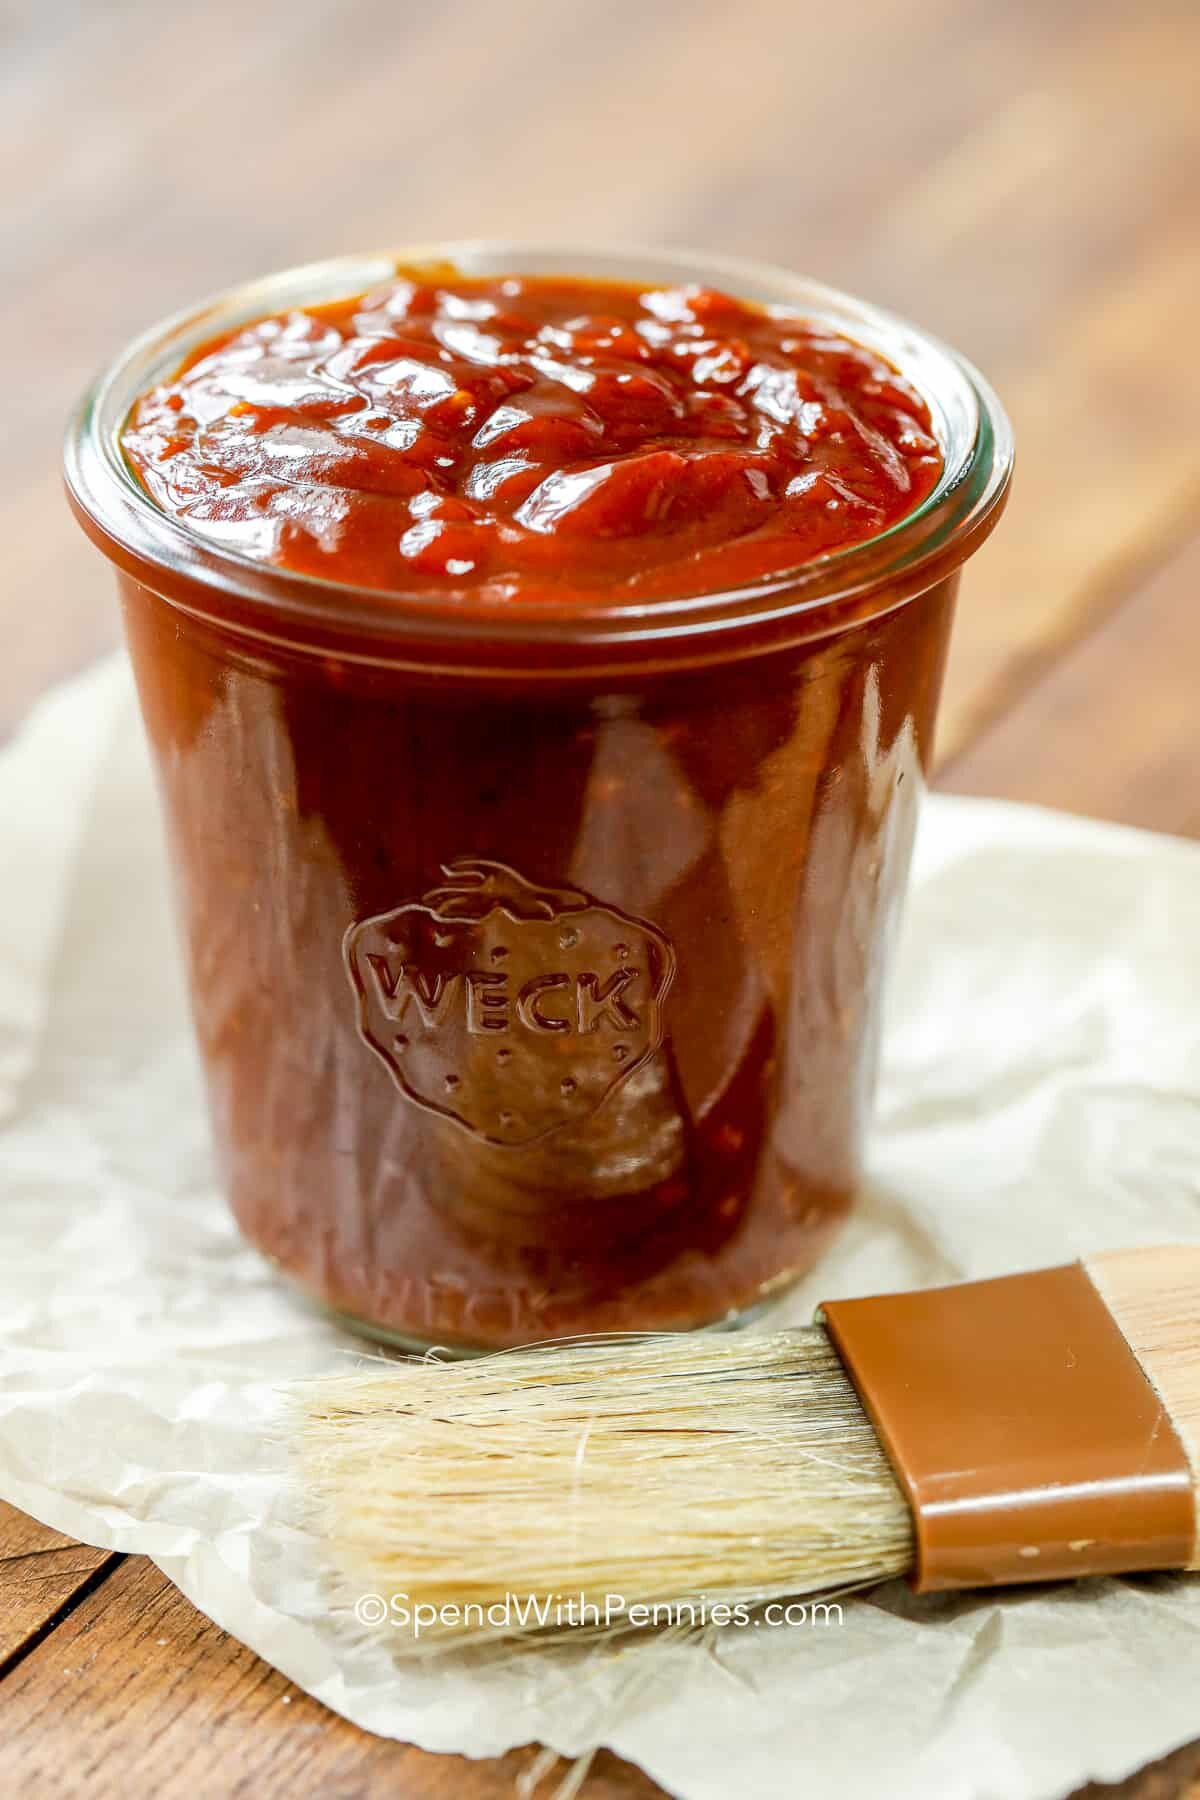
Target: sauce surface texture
[534,435]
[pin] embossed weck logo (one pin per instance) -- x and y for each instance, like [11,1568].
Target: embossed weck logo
[510,1008]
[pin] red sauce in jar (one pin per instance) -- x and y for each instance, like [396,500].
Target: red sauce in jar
[534,435]
[529,1009]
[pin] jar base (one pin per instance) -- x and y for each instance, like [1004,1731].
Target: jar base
[412,1345]
[640,1311]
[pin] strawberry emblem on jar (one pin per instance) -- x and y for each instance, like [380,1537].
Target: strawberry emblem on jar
[511,1008]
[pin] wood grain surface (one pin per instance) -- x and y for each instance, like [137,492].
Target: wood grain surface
[1021,178]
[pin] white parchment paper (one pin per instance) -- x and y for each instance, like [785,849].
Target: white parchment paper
[1041,1099]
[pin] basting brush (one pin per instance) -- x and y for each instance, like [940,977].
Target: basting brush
[1027,1428]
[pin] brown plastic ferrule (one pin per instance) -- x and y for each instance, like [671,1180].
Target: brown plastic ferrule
[1022,1428]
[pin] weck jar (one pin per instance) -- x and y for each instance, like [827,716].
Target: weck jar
[537,927]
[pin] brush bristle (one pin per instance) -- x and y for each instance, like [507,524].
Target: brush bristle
[737,1467]
[1154,1296]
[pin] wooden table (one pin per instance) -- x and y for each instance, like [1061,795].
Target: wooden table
[1023,179]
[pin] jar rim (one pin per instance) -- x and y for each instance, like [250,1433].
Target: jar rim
[387,625]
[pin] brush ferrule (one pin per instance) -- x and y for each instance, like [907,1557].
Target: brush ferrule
[1022,1428]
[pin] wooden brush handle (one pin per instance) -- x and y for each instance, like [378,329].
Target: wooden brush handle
[1027,1427]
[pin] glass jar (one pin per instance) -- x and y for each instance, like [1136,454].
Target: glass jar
[536,953]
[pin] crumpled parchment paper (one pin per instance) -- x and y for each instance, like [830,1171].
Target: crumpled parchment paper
[1040,1099]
